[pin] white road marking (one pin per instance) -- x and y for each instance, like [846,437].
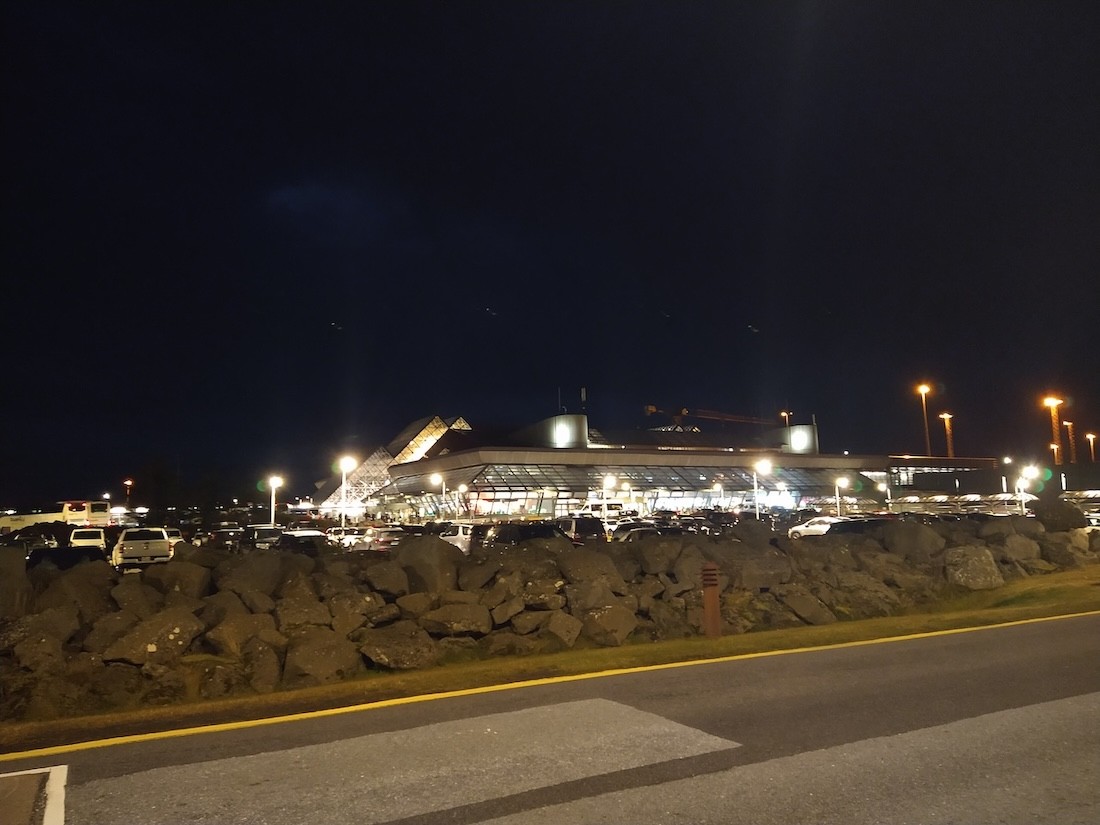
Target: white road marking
[54,792]
[386,776]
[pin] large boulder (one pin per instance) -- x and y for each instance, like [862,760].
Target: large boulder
[609,626]
[179,576]
[457,620]
[229,637]
[560,630]
[16,591]
[87,586]
[403,645]
[261,571]
[109,629]
[657,555]
[581,564]
[805,604]
[301,611]
[915,542]
[319,657]
[160,639]
[134,595]
[1057,515]
[430,563]
[973,568]
[388,578]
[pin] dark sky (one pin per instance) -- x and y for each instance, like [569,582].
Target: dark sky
[242,238]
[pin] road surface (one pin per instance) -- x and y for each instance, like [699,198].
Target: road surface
[986,726]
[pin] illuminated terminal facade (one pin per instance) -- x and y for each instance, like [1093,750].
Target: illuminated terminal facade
[443,468]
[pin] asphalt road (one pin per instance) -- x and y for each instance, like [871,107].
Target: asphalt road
[987,726]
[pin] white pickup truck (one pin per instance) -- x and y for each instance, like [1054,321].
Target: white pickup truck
[141,545]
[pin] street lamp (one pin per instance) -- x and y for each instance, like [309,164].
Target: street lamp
[1055,430]
[786,414]
[763,467]
[128,483]
[924,389]
[718,495]
[1054,449]
[947,429]
[1072,442]
[436,478]
[841,482]
[1092,445]
[885,488]
[1026,475]
[275,482]
[347,464]
[608,483]
[462,488]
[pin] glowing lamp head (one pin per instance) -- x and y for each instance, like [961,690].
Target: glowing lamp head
[763,466]
[435,478]
[275,482]
[924,389]
[1051,401]
[347,464]
[842,483]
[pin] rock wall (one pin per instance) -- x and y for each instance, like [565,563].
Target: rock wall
[209,624]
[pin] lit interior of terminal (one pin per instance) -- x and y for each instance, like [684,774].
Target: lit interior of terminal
[439,468]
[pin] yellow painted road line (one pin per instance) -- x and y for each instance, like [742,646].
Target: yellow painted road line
[549,680]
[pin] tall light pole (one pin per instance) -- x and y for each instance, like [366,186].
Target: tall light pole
[275,482]
[1072,442]
[947,429]
[885,488]
[1027,474]
[1054,448]
[436,478]
[462,488]
[924,389]
[841,482]
[1091,437]
[347,464]
[786,414]
[128,483]
[608,483]
[1055,429]
[763,467]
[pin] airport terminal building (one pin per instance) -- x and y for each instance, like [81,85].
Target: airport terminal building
[443,468]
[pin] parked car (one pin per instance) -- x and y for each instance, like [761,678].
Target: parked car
[88,537]
[384,539]
[63,557]
[513,533]
[141,545]
[175,536]
[583,529]
[260,536]
[817,526]
[228,538]
[308,541]
[458,533]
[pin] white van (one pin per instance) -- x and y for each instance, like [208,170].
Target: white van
[88,537]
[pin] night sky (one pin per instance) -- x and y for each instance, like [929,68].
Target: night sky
[242,238]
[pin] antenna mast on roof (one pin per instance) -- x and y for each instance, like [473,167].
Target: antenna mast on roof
[584,398]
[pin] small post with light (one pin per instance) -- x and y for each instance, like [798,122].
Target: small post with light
[947,430]
[924,389]
[841,482]
[128,484]
[1072,442]
[787,420]
[1091,438]
[763,467]
[885,488]
[275,482]
[436,478]
[347,464]
[1055,429]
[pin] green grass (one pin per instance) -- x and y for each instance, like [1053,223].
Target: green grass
[1075,591]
